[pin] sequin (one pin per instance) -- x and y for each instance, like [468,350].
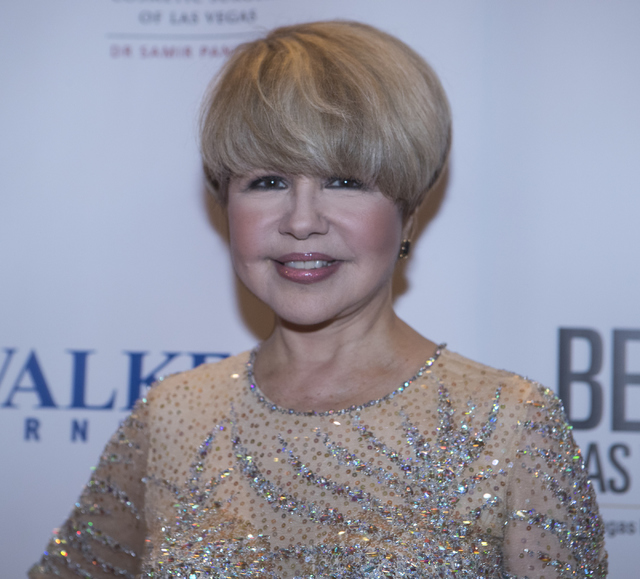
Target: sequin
[471,473]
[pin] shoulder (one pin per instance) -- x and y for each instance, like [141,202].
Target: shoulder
[522,396]
[179,411]
[212,383]
[524,417]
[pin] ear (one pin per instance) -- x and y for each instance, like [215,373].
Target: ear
[407,227]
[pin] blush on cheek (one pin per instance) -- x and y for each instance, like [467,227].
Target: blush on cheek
[244,227]
[382,231]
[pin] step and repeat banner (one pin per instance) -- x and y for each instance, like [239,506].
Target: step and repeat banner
[114,261]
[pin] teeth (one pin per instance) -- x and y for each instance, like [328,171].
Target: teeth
[318,263]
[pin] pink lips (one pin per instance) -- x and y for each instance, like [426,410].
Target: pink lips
[306,276]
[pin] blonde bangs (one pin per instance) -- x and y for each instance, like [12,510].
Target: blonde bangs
[327,99]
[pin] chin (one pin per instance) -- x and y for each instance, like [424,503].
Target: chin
[307,319]
[313,312]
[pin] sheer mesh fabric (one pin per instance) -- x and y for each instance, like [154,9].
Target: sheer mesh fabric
[465,472]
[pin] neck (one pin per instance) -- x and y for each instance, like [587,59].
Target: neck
[338,364]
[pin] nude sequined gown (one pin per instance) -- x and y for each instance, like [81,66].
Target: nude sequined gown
[463,472]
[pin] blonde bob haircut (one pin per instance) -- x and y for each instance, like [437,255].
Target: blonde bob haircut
[328,99]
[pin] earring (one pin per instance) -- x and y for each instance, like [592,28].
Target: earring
[405,248]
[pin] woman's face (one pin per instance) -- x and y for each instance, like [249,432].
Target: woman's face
[314,250]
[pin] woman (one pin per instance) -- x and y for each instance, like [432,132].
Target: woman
[333,449]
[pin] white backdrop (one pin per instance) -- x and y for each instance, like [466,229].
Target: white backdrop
[111,258]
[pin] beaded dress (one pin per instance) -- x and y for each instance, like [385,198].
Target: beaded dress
[462,472]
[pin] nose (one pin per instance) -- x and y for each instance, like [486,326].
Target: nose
[303,215]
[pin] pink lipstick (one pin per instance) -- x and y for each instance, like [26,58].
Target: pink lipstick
[306,268]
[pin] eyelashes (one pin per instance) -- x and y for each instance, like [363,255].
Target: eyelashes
[341,183]
[275,182]
[267,183]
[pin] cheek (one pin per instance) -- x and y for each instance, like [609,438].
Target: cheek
[381,231]
[244,232]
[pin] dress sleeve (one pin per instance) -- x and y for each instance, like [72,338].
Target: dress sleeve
[553,529]
[105,534]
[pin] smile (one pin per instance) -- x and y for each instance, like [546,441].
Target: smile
[315,264]
[306,268]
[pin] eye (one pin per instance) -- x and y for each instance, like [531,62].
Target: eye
[341,183]
[267,183]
